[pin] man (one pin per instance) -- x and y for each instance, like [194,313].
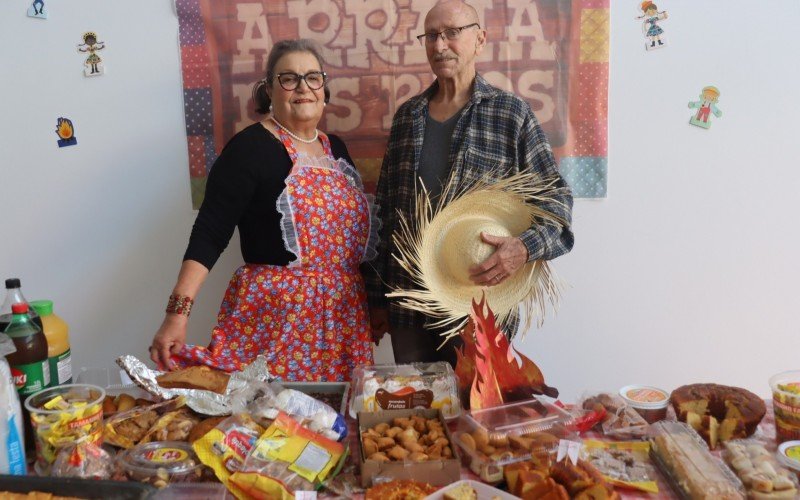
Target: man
[461,128]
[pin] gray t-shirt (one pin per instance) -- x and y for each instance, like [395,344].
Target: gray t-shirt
[434,168]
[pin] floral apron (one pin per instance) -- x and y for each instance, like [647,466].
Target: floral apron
[308,318]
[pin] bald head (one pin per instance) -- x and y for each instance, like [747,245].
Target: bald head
[456,11]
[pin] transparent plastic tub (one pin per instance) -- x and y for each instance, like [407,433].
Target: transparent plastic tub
[401,387]
[160,463]
[691,470]
[786,404]
[495,437]
[62,416]
[651,402]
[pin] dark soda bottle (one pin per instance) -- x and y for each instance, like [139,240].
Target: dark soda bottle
[14,296]
[29,366]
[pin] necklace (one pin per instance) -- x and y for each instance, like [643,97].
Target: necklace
[293,136]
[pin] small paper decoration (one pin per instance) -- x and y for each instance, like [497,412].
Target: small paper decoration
[705,106]
[66,133]
[93,66]
[37,10]
[488,366]
[652,31]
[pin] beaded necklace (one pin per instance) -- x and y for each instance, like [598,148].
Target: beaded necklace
[293,136]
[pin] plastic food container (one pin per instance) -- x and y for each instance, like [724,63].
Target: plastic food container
[160,463]
[402,387]
[786,404]
[63,416]
[692,471]
[650,402]
[758,469]
[495,437]
[789,455]
[483,491]
[333,394]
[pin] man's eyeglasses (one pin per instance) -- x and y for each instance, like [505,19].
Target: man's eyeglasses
[314,79]
[446,34]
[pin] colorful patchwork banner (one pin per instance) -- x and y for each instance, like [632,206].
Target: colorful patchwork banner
[552,53]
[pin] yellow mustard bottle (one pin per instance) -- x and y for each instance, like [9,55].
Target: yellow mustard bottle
[59,355]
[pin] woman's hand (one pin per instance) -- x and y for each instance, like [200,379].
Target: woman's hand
[169,339]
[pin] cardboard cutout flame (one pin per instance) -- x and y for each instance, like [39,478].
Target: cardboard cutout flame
[490,368]
[66,132]
[64,128]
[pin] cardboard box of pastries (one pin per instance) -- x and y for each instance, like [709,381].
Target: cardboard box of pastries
[407,444]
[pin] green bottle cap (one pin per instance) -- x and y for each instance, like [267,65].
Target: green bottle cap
[42,307]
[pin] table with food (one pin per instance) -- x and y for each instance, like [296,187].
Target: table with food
[401,432]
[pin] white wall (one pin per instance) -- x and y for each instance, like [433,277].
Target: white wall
[685,273]
[688,272]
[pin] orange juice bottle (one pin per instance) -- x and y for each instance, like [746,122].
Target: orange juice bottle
[59,356]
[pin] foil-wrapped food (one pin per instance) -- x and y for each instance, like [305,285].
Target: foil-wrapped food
[241,388]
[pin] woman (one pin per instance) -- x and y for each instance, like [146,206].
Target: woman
[305,225]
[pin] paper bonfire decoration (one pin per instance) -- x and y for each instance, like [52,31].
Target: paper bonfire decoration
[490,368]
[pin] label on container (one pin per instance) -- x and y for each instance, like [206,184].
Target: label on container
[403,399]
[645,395]
[793,452]
[61,368]
[32,377]
[166,455]
[15,449]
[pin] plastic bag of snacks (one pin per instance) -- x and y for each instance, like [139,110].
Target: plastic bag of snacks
[310,412]
[84,460]
[287,458]
[225,447]
[626,463]
[62,416]
[129,428]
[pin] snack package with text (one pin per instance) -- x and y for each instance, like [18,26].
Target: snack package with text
[225,447]
[286,458]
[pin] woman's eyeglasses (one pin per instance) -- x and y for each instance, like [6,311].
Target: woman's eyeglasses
[315,80]
[446,34]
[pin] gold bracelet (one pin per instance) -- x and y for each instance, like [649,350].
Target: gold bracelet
[179,304]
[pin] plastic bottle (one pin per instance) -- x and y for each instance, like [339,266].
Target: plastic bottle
[14,296]
[29,365]
[12,450]
[29,368]
[59,355]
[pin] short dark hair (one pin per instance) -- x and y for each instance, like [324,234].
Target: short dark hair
[280,49]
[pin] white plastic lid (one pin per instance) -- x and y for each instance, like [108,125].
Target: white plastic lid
[644,405]
[789,454]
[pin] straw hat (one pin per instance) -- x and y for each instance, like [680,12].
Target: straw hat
[445,243]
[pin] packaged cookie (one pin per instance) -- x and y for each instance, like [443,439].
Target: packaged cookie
[758,470]
[160,463]
[127,429]
[402,387]
[693,472]
[494,437]
[623,463]
[620,420]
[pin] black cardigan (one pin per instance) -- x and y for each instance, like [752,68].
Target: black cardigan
[242,190]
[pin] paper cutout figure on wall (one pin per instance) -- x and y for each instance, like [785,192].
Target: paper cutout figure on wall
[706,105]
[93,64]
[66,133]
[652,31]
[37,10]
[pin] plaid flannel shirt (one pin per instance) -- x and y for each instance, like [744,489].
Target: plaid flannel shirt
[497,135]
